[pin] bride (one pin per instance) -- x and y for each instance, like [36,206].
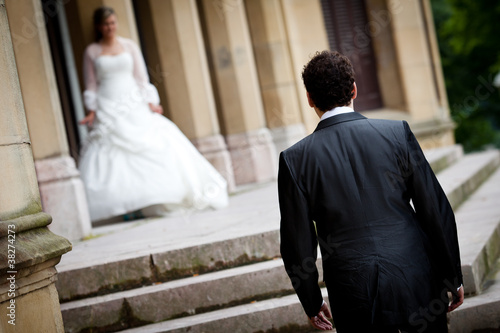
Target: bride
[135,158]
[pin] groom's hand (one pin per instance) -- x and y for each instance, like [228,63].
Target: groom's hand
[320,321]
[457,299]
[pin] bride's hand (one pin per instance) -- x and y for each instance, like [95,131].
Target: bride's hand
[156,108]
[89,119]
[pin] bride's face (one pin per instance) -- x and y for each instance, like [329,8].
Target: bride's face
[108,26]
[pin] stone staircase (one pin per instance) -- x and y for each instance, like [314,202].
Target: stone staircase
[220,271]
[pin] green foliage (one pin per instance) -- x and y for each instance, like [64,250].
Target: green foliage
[469,42]
[474,132]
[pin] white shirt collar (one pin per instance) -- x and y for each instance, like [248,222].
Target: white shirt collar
[336,111]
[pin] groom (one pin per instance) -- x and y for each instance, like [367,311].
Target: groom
[387,265]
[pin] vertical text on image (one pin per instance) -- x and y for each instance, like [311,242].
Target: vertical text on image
[11,273]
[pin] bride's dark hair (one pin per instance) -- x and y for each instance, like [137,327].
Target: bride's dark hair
[100,15]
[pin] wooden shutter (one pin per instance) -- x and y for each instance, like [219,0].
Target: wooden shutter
[346,24]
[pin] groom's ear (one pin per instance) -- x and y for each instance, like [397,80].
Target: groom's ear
[354,91]
[309,99]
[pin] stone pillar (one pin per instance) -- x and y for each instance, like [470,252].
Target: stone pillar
[276,78]
[306,35]
[379,29]
[237,91]
[61,189]
[420,77]
[28,297]
[178,64]
[414,59]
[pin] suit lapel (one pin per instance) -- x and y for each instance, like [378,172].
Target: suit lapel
[341,118]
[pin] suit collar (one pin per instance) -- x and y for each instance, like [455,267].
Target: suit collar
[339,119]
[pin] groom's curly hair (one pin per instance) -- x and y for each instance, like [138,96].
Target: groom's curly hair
[329,79]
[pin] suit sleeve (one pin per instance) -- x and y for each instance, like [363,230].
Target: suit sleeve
[298,240]
[434,214]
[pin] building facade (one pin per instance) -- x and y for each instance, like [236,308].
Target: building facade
[228,73]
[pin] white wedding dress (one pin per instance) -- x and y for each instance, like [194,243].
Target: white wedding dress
[134,158]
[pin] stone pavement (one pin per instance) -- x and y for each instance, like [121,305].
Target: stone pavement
[251,211]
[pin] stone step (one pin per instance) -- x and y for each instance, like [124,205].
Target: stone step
[442,158]
[165,266]
[283,314]
[198,294]
[478,224]
[194,296]
[189,296]
[480,313]
[162,249]
[177,247]
[178,298]
[461,179]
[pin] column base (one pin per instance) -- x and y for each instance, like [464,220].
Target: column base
[214,149]
[286,136]
[29,301]
[63,197]
[434,133]
[254,156]
[35,307]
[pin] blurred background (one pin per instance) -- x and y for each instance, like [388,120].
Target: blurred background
[228,73]
[469,44]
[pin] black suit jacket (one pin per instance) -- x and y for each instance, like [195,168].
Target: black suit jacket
[382,258]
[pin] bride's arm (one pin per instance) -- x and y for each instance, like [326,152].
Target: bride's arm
[90,93]
[148,91]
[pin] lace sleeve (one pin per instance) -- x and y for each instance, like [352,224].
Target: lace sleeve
[90,79]
[148,91]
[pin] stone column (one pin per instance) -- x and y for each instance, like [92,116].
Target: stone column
[237,91]
[61,189]
[178,64]
[414,58]
[306,35]
[28,297]
[276,78]
[379,29]
[419,78]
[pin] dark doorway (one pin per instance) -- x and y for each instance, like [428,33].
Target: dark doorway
[52,11]
[348,32]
